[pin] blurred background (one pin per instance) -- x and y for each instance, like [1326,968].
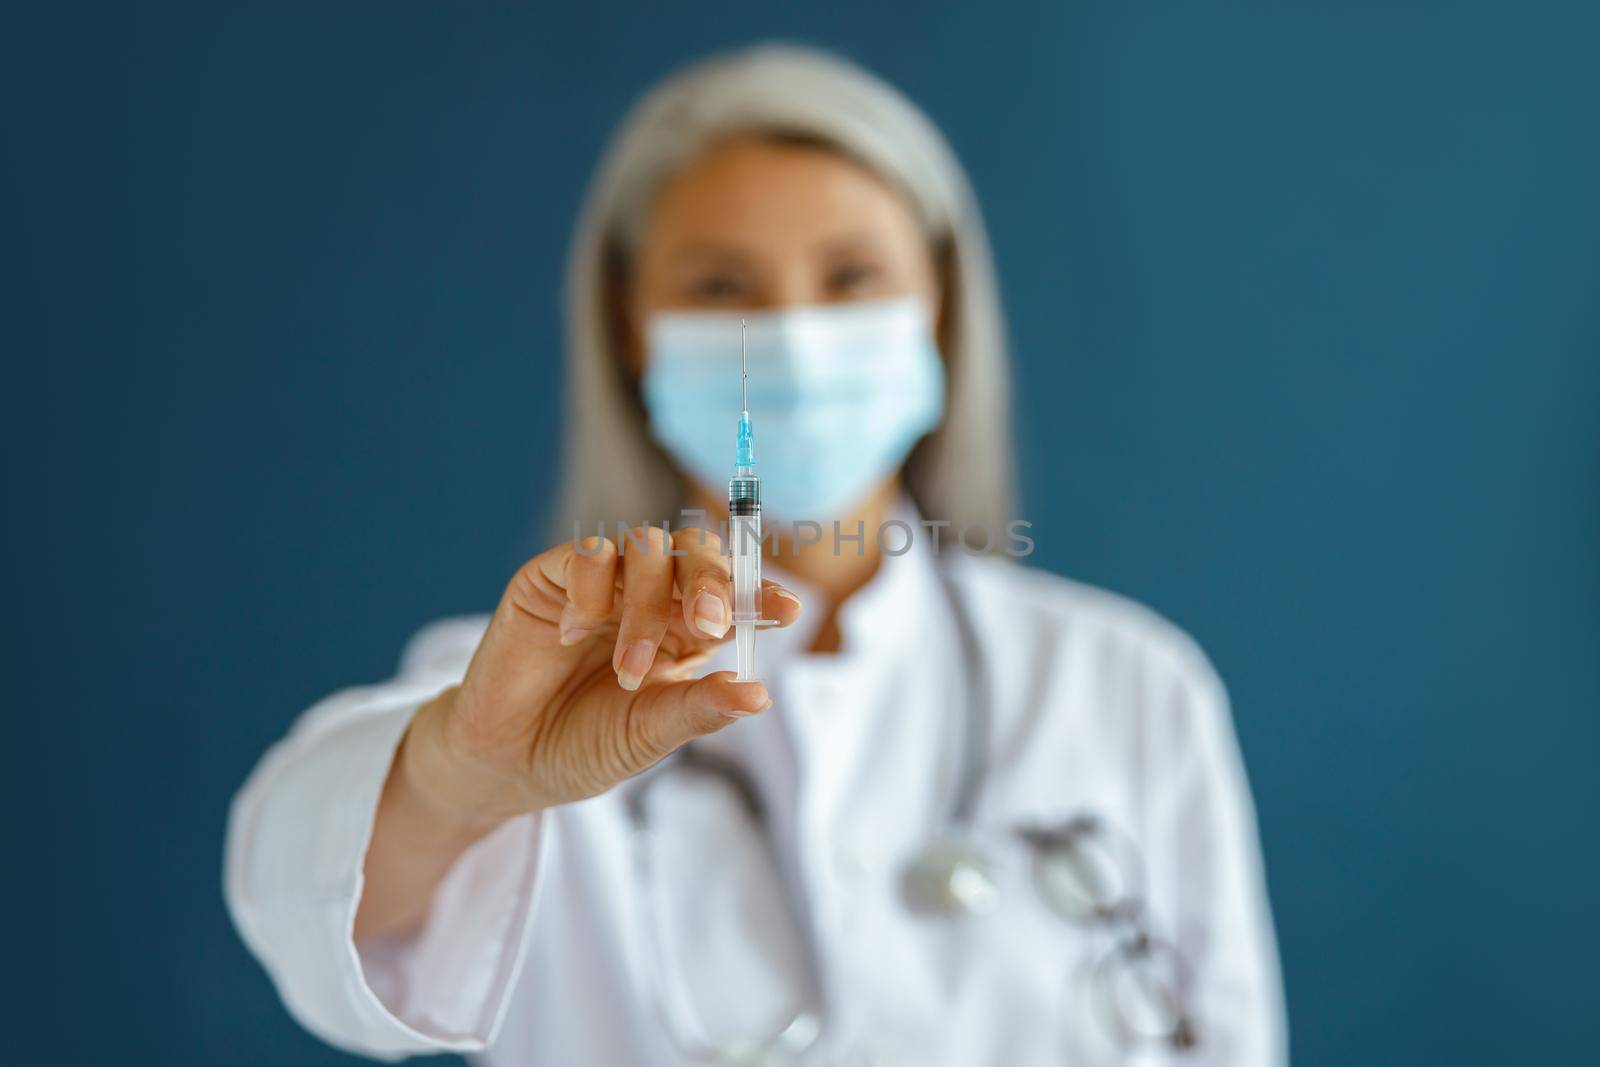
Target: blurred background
[1304,300]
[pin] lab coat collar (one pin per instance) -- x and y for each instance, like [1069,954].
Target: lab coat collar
[827,703]
[874,621]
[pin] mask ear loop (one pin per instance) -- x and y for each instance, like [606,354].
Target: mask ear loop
[943,251]
[623,342]
[942,316]
[624,337]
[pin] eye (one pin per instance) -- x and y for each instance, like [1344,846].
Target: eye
[718,288]
[856,278]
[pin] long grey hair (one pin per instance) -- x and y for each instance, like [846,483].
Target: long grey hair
[612,470]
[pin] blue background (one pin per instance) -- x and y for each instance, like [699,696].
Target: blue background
[1304,303]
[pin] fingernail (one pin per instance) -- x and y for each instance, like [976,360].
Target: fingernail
[779,590]
[571,631]
[635,663]
[741,713]
[711,614]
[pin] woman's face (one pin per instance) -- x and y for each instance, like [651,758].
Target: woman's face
[756,224]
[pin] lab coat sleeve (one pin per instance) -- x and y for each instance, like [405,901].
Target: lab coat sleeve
[1208,884]
[297,839]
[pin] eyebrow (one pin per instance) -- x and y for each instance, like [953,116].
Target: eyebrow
[832,246]
[851,241]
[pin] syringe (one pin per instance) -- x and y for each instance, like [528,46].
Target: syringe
[744,530]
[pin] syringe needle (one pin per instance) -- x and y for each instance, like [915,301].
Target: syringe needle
[744,369]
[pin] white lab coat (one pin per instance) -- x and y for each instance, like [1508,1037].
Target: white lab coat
[537,946]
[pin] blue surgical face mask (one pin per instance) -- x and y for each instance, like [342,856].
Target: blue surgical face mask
[839,394]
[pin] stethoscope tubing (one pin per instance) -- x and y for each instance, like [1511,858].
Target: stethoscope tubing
[807,1024]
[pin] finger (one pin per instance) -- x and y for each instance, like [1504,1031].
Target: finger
[684,668]
[684,638]
[646,603]
[584,573]
[779,603]
[671,715]
[702,581]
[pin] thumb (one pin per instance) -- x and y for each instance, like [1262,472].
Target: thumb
[676,713]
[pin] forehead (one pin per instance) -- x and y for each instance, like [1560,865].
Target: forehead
[745,189]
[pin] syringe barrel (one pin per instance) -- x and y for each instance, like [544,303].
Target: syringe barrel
[746,530]
[744,533]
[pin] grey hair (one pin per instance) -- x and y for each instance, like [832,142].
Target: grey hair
[612,470]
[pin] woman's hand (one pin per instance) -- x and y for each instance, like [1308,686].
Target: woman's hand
[584,677]
[586,674]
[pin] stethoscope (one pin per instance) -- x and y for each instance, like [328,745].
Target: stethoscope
[1087,872]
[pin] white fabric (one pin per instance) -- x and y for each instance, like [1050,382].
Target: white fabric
[538,946]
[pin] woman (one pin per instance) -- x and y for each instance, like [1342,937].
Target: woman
[973,814]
